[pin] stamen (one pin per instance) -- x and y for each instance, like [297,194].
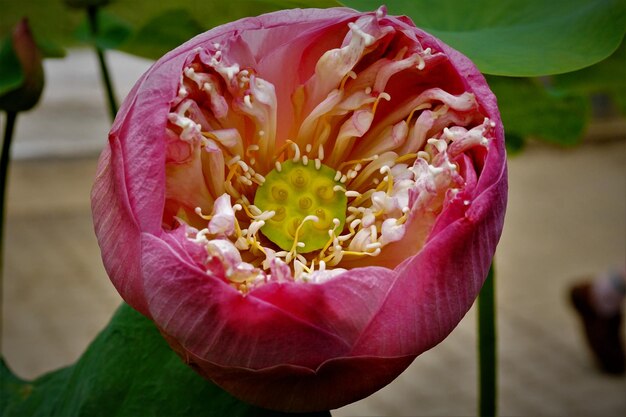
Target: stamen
[243,165]
[350,74]
[424,155]
[296,150]
[233,160]
[382,95]
[198,211]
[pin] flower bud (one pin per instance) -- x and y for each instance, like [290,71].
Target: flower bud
[26,95]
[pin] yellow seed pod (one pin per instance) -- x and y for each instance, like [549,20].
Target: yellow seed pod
[295,192]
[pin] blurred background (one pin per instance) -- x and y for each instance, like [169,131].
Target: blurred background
[566,221]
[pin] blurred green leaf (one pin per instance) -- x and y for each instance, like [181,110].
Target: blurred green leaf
[519,38]
[528,109]
[50,49]
[514,144]
[112,31]
[128,370]
[170,28]
[11,75]
[53,20]
[607,77]
[163,33]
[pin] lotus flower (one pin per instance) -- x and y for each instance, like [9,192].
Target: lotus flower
[304,201]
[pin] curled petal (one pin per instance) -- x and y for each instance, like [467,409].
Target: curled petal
[223,219]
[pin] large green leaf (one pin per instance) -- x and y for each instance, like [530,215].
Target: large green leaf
[128,370]
[531,110]
[519,38]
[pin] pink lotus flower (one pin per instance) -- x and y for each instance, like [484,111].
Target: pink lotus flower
[304,202]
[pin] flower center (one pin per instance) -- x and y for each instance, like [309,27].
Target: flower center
[307,202]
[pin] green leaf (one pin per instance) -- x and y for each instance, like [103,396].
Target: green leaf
[519,38]
[514,144]
[607,77]
[128,370]
[172,27]
[163,33]
[50,49]
[529,109]
[11,75]
[112,31]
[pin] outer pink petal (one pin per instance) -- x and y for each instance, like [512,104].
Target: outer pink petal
[291,388]
[216,322]
[113,218]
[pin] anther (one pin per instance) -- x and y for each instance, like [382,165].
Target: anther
[296,150]
[233,160]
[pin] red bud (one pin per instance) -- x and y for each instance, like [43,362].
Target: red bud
[27,94]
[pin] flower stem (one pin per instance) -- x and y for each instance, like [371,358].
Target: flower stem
[92,17]
[4,169]
[487,405]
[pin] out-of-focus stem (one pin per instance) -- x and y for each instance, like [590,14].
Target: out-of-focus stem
[487,348]
[4,170]
[92,17]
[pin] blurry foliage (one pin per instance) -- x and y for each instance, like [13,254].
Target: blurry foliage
[557,109]
[54,21]
[607,77]
[158,36]
[11,75]
[112,31]
[530,110]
